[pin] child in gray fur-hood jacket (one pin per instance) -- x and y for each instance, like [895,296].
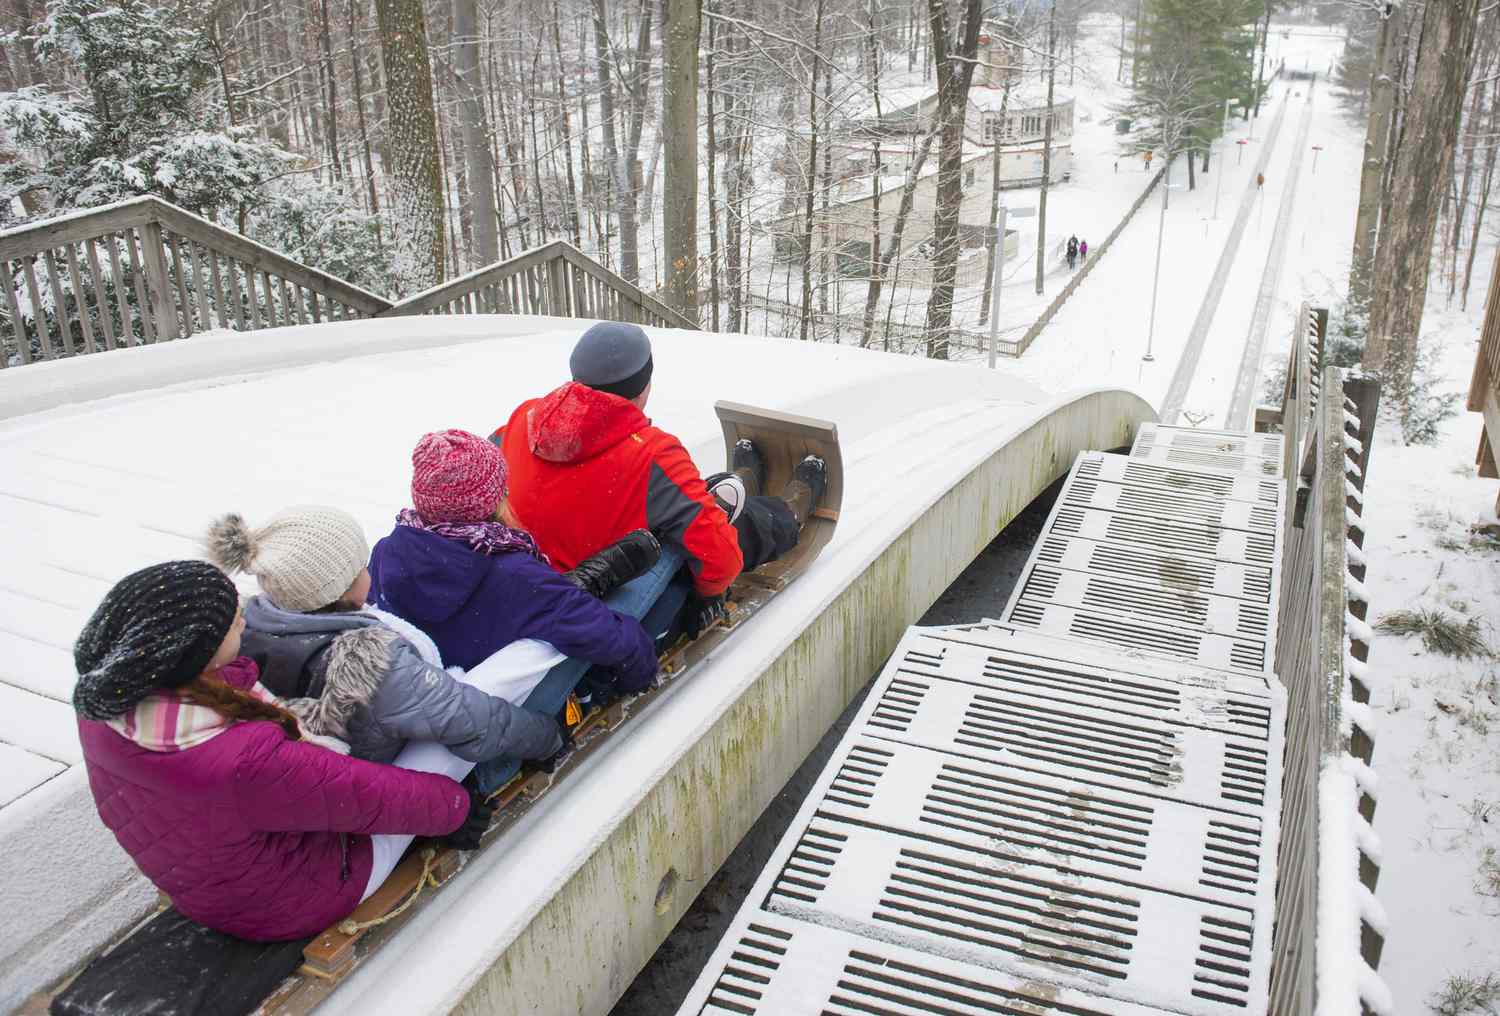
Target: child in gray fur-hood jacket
[349,671]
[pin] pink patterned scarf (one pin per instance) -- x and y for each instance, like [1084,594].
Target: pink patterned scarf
[166,721]
[488,538]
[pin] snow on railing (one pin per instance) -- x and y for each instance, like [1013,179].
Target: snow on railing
[1330,929]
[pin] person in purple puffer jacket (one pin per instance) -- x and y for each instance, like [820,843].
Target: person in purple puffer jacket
[204,779]
[458,568]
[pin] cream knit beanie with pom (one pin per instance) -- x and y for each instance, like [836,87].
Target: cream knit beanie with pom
[304,558]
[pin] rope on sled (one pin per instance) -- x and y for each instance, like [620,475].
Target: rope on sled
[349,926]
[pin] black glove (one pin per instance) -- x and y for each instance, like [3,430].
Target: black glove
[630,556]
[467,836]
[551,762]
[701,613]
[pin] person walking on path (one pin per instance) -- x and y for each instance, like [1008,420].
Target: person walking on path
[1083,250]
[1072,252]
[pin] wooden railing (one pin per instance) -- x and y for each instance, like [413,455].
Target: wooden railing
[555,278]
[1327,422]
[145,271]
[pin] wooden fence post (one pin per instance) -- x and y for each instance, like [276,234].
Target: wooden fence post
[158,282]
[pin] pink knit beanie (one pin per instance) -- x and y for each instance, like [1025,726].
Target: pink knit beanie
[456,477]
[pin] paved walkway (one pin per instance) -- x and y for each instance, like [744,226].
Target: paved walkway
[1072,808]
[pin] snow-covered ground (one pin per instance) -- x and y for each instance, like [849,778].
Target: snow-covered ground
[1437,746]
[1101,332]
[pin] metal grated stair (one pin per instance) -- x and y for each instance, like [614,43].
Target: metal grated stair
[1255,454]
[1073,808]
[1124,558]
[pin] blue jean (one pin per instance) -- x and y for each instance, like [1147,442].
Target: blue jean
[653,598]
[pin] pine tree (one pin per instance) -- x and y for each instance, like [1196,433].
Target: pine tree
[142,121]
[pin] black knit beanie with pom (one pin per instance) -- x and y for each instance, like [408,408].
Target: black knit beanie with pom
[157,628]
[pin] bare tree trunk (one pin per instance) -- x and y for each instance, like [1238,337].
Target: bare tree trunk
[680,108]
[575,221]
[873,43]
[1382,93]
[1260,74]
[331,82]
[476,130]
[359,109]
[825,188]
[903,212]
[1484,191]
[622,158]
[1404,255]
[412,138]
[1041,205]
[955,71]
[810,179]
[713,196]
[996,244]
[1469,129]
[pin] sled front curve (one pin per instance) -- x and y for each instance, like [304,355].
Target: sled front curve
[784,440]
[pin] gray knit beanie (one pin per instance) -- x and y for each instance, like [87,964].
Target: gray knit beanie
[613,357]
[305,557]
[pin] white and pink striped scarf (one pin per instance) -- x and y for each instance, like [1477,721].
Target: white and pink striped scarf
[165,721]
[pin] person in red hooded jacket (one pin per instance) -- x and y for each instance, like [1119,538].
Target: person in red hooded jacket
[587,466]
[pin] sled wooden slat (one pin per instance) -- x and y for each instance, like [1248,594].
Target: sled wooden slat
[331,954]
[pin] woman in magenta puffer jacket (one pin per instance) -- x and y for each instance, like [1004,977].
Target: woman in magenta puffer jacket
[204,780]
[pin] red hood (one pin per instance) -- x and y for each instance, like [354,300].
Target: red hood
[576,422]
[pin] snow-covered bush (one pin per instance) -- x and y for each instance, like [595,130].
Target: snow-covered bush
[324,228]
[1428,408]
[138,124]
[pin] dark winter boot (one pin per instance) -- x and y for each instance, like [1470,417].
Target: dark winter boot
[631,556]
[746,463]
[747,479]
[804,491]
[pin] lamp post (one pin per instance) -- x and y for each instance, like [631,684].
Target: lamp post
[1316,149]
[1219,186]
[995,285]
[1006,214]
[1161,228]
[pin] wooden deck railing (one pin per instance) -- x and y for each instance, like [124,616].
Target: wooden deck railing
[145,271]
[1328,422]
[555,278]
